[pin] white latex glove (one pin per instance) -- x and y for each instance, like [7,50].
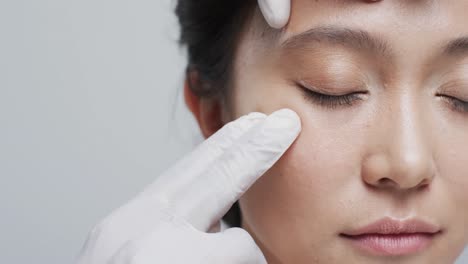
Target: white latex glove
[169,221]
[276,12]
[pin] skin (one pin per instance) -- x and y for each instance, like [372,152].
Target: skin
[398,149]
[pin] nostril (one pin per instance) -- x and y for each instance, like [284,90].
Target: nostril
[390,183]
[423,187]
[386,182]
[424,184]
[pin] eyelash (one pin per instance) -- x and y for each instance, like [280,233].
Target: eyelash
[457,104]
[331,101]
[335,101]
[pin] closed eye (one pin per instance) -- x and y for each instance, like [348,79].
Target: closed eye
[458,105]
[329,100]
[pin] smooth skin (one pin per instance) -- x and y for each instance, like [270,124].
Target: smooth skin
[395,147]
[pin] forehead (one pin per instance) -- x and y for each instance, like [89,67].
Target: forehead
[414,32]
[383,16]
[405,25]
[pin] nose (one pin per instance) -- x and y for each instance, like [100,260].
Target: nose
[401,158]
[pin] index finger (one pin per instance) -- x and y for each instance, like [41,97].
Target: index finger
[210,195]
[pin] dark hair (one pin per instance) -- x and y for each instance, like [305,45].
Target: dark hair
[210,30]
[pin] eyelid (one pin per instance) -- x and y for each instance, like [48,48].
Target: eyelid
[331,101]
[331,89]
[452,98]
[457,89]
[455,103]
[455,94]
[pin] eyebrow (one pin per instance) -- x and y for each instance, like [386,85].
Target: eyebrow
[350,38]
[361,40]
[457,46]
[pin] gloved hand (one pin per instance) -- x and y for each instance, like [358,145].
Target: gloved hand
[169,221]
[276,12]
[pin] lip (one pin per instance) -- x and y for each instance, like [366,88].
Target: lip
[391,237]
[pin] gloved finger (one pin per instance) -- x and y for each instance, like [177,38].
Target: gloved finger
[276,12]
[192,164]
[142,213]
[208,198]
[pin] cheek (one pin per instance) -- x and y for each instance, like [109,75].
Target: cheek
[453,176]
[320,171]
[319,163]
[450,190]
[449,144]
[311,181]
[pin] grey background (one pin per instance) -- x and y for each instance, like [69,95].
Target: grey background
[90,113]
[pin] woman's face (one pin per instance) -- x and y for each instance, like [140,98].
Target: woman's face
[382,91]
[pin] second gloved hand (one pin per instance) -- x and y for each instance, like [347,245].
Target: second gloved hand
[276,12]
